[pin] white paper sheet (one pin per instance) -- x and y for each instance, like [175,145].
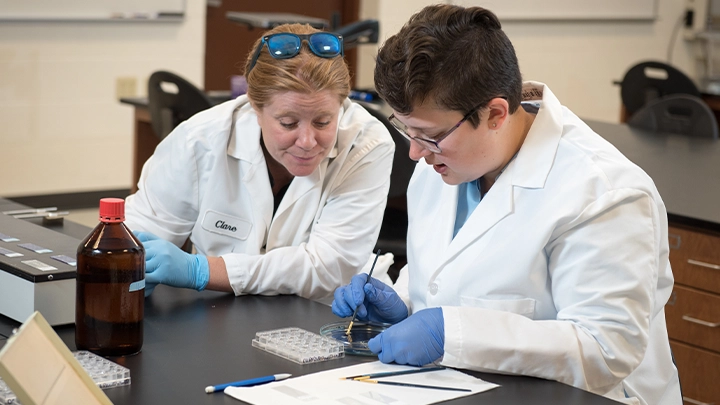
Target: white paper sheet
[327,388]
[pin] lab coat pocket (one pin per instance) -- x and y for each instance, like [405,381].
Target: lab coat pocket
[521,306]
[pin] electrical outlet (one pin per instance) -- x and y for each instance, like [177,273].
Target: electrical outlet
[125,87]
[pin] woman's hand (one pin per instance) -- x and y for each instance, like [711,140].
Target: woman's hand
[166,263]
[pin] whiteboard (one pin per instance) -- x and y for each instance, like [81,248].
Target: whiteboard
[92,10]
[567,9]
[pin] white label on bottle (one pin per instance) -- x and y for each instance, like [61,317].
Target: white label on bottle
[138,285]
[39,265]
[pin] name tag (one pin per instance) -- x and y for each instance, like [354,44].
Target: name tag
[224,224]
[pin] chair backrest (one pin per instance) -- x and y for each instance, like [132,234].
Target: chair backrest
[652,80]
[677,113]
[403,166]
[175,103]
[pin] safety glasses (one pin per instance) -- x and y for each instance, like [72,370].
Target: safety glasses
[433,145]
[285,45]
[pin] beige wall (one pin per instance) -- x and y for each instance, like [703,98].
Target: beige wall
[578,60]
[62,129]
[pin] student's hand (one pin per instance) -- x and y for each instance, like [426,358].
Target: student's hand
[376,301]
[166,263]
[418,340]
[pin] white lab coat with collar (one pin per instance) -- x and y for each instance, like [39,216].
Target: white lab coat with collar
[562,270]
[208,180]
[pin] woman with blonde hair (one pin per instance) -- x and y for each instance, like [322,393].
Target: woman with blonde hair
[281,191]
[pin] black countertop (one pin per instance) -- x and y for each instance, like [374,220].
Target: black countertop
[686,170]
[193,340]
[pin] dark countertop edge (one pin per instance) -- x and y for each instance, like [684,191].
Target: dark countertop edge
[57,275]
[700,224]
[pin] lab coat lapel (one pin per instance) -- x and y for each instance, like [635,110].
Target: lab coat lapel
[446,216]
[529,169]
[301,186]
[495,205]
[432,217]
[244,145]
[536,157]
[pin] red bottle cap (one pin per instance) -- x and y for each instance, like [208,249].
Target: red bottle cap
[112,210]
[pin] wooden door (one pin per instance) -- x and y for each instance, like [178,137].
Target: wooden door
[227,43]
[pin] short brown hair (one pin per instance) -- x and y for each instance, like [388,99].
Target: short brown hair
[455,56]
[304,73]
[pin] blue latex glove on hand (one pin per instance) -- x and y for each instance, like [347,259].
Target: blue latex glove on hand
[166,263]
[376,301]
[418,340]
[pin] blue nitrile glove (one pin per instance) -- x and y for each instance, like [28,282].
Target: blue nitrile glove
[166,263]
[418,340]
[377,301]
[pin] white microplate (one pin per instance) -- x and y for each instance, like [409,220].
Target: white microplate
[105,373]
[299,345]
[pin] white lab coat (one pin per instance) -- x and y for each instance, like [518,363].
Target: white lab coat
[562,270]
[208,180]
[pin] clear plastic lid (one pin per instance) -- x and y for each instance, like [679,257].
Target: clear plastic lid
[357,342]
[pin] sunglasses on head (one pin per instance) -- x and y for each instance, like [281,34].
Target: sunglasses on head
[285,45]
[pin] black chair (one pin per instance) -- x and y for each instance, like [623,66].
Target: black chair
[175,103]
[403,166]
[678,113]
[652,80]
[393,232]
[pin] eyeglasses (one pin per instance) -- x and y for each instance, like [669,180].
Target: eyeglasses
[433,145]
[285,45]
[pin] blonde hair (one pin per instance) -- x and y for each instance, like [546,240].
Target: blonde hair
[304,73]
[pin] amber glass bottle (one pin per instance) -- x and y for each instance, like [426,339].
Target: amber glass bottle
[109,308]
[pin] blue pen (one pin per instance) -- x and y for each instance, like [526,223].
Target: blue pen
[247,383]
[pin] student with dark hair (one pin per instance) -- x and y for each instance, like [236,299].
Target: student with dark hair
[534,246]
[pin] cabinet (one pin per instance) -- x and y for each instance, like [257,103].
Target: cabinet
[227,43]
[693,312]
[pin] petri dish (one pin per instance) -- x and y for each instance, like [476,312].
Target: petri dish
[356,343]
